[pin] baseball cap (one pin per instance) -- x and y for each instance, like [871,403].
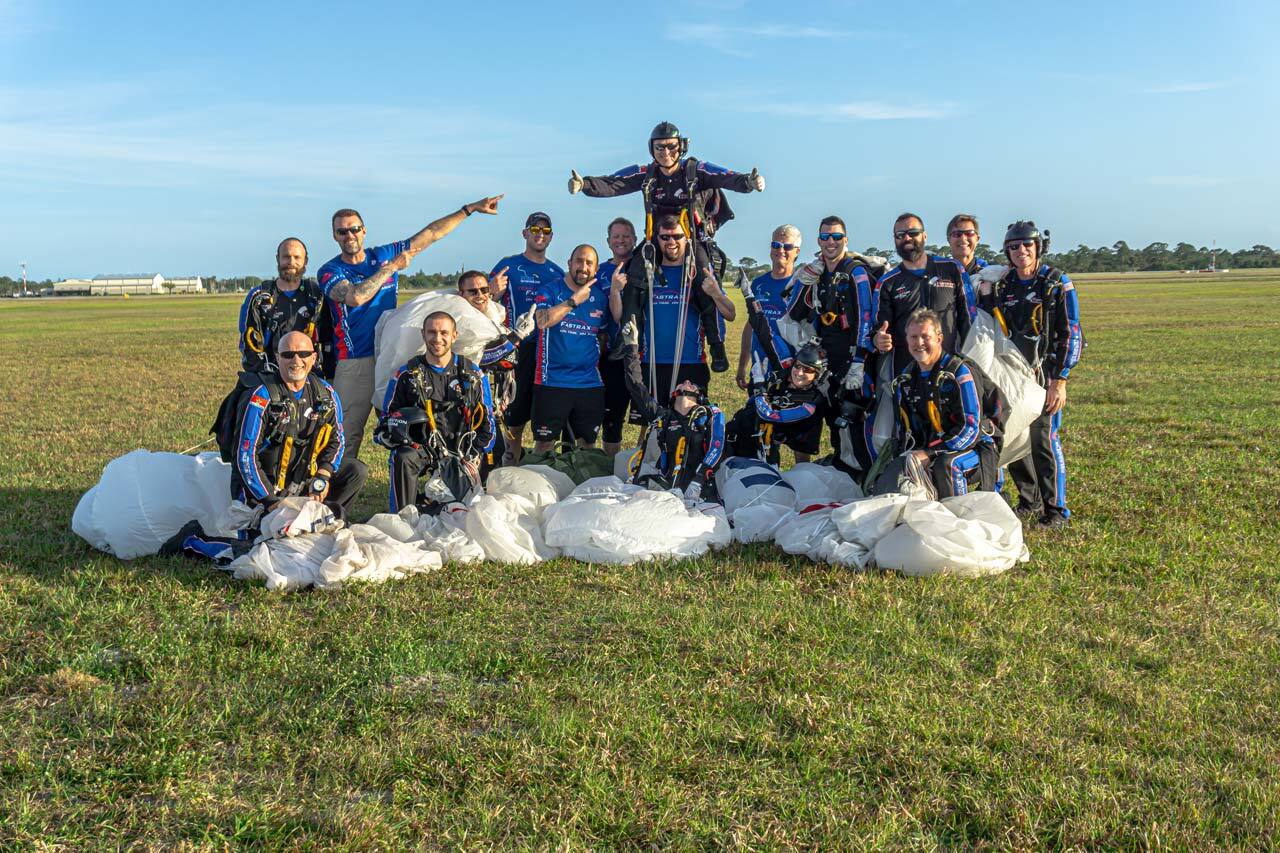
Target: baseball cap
[535,217]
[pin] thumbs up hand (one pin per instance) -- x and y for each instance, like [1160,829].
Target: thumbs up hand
[757,180]
[883,340]
[575,182]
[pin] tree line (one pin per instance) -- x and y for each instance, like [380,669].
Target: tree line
[1118,257]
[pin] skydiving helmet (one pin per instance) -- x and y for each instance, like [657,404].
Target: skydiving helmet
[667,130]
[812,355]
[402,428]
[1025,229]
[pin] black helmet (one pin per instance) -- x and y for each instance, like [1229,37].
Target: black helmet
[1025,229]
[696,392]
[667,130]
[812,356]
[402,427]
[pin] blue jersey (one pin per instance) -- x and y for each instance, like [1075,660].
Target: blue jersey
[666,318]
[767,291]
[604,283]
[524,279]
[568,353]
[353,327]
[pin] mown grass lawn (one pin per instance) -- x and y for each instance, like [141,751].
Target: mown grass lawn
[1121,689]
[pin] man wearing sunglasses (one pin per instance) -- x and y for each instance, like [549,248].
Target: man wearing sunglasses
[1037,307]
[498,360]
[684,187]
[838,304]
[921,280]
[766,291]
[661,339]
[361,285]
[290,303]
[288,444]
[963,237]
[516,280]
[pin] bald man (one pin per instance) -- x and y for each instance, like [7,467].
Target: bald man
[568,390]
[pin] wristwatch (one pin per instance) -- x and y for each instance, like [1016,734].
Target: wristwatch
[319,484]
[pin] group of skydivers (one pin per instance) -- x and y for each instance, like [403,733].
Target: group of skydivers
[577,349]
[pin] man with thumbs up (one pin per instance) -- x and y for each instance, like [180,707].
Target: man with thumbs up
[921,280]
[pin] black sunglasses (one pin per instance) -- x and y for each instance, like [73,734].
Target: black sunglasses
[343,232]
[297,353]
[910,232]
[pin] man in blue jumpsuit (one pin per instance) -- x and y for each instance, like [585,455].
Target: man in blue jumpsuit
[362,284]
[1037,307]
[767,291]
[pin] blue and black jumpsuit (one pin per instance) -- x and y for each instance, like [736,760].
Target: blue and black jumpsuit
[1042,318]
[460,421]
[939,412]
[268,314]
[778,414]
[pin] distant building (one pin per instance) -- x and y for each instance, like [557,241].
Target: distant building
[132,284]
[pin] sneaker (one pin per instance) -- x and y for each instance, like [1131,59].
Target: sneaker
[1028,513]
[175,544]
[1053,521]
[719,359]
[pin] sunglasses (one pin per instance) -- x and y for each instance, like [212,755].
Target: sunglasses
[297,353]
[475,291]
[831,235]
[343,232]
[670,238]
[540,229]
[1025,244]
[786,247]
[964,232]
[666,146]
[910,232]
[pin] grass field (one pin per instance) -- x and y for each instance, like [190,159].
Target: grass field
[1120,690]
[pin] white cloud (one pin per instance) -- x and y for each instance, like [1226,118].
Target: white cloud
[1187,181]
[1185,88]
[849,110]
[734,40]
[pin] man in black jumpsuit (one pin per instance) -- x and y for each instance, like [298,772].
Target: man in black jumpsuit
[289,303]
[437,418]
[689,189]
[690,435]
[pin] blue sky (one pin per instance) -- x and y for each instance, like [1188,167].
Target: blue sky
[188,140]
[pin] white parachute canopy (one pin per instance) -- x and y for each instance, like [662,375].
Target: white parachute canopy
[997,356]
[144,498]
[398,335]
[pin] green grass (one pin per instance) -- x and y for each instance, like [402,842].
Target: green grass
[1120,690]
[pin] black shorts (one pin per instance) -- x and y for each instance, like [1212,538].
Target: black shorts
[616,399]
[580,409]
[698,373]
[517,414]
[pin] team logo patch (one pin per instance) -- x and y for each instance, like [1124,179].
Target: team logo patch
[258,400]
[940,282]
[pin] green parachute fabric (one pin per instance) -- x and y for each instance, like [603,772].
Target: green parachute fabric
[580,464]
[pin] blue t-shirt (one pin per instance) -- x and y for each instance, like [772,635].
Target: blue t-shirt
[604,283]
[524,279]
[768,292]
[666,318]
[568,353]
[353,327]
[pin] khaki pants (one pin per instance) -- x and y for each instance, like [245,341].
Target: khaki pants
[354,383]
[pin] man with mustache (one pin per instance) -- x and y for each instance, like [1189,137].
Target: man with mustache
[290,303]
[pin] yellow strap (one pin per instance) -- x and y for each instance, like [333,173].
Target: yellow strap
[681,447]
[431,416]
[286,453]
[766,434]
[1004,327]
[648,226]
[321,442]
[684,223]
[1037,319]
[935,417]
[902,415]
[253,339]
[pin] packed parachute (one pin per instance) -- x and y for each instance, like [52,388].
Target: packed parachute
[932,381]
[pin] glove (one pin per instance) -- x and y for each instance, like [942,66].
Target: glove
[757,180]
[526,323]
[744,284]
[693,492]
[853,378]
[575,182]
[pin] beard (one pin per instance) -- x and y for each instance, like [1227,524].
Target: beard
[290,274]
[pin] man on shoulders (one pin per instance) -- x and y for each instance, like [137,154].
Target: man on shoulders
[361,285]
